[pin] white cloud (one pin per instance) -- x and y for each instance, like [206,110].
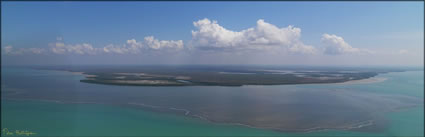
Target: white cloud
[153,43]
[115,49]
[131,46]
[36,50]
[122,49]
[335,45]
[9,50]
[211,36]
[149,43]
[81,49]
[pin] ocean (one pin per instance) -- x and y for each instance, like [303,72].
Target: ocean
[55,103]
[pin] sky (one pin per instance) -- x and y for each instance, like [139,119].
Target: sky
[274,33]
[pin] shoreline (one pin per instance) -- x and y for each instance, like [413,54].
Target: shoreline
[370,80]
[364,81]
[87,78]
[122,82]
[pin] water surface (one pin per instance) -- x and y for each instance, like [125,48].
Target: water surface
[364,109]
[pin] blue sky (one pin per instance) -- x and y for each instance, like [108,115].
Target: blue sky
[383,28]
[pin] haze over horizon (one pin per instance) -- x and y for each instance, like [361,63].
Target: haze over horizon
[245,33]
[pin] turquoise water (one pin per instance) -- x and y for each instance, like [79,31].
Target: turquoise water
[88,119]
[409,83]
[51,119]
[66,119]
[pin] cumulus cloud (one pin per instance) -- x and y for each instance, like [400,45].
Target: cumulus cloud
[9,50]
[211,36]
[132,46]
[81,49]
[119,49]
[156,44]
[149,43]
[335,45]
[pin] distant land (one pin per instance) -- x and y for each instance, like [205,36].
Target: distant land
[218,75]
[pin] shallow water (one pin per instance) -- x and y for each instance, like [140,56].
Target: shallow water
[289,107]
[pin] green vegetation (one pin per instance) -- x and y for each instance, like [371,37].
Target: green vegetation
[191,77]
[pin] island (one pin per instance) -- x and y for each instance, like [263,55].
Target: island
[219,75]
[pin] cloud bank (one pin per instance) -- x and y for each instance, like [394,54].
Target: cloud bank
[9,50]
[81,49]
[132,46]
[335,45]
[265,36]
[210,36]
